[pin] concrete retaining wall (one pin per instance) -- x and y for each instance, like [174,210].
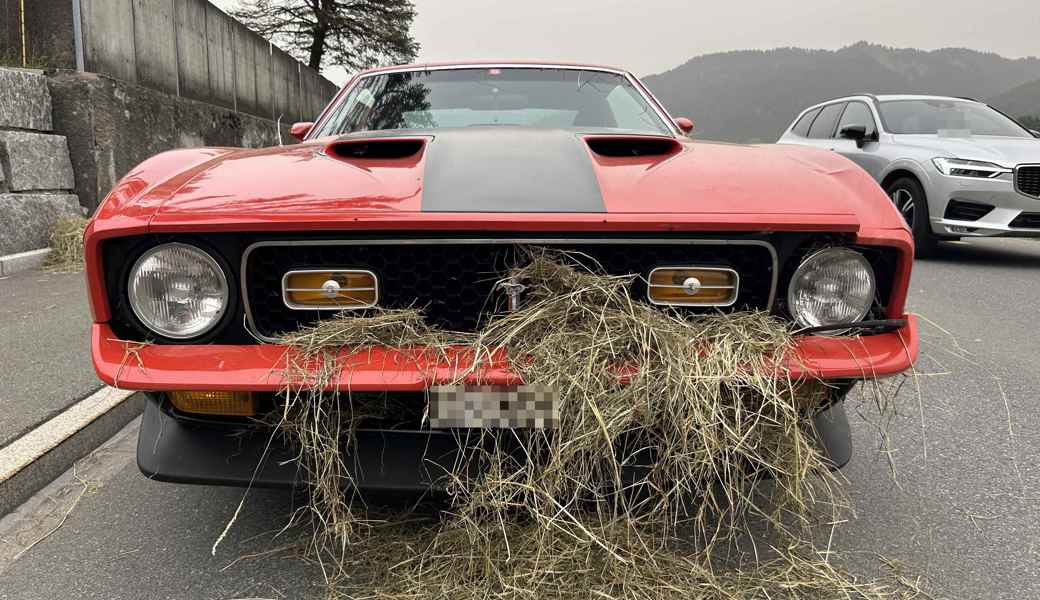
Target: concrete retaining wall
[48,33]
[186,48]
[111,126]
[10,32]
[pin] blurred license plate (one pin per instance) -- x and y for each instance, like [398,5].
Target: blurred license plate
[493,406]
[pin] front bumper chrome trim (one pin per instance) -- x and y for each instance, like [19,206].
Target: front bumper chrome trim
[260,367]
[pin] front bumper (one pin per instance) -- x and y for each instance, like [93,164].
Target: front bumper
[260,367]
[1000,193]
[188,451]
[172,450]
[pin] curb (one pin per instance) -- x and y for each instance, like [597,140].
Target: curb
[23,261]
[38,457]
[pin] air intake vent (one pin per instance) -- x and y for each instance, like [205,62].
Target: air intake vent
[1027,180]
[959,210]
[376,149]
[633,146]
[1026,221]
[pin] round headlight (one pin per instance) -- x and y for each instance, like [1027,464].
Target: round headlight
[178,291]
[832,286]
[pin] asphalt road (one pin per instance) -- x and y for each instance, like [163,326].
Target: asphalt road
[962,507]
[44,348]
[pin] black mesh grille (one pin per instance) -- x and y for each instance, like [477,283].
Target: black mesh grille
[1027,180]
[960,210]
[1027,221]
[454,281]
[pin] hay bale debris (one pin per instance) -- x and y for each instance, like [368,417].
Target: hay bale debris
[701,406]
[66,242]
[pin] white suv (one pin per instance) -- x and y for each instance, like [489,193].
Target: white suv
[954,167]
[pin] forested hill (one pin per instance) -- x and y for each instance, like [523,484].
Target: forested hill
[752,95]
[1022,102]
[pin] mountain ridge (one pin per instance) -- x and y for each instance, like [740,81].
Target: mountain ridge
[753,95]
[1020,101]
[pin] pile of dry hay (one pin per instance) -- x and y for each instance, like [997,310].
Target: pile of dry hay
[66,241]
[668,426]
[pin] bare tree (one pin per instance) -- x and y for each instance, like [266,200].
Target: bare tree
[353,34]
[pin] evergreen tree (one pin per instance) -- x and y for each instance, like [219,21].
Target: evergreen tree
[353,34]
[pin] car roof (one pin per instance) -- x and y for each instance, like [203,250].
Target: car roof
[493,63]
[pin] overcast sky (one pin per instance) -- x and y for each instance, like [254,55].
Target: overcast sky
[650,36]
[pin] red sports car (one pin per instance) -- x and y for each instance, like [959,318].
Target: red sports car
[412,186]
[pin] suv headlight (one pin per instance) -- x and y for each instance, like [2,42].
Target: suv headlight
[178,291]
[832,286]
[955,167]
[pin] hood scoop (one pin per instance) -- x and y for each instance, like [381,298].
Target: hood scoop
[375,149]
[633,146]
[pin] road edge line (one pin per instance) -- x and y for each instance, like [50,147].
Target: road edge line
[35,459]
[23,261]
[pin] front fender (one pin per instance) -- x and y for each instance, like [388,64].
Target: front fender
[129,208]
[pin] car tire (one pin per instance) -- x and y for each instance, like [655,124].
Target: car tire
[910,200]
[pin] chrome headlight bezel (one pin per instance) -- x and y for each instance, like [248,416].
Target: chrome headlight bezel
[205,260]
[862,310]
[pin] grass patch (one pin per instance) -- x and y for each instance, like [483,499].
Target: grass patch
[427,560]
[66,242]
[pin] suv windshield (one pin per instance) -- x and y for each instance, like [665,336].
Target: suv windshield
[950,117]
[529,97]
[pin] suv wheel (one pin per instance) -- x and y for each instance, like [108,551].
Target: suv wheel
[908,196]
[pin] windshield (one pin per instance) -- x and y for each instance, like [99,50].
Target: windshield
[527,97]
[947,117]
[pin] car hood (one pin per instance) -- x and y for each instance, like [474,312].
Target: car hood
[497,172]
[1004,151]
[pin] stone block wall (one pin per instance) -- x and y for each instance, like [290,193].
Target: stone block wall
[36,177]
[25,102]
[36,162]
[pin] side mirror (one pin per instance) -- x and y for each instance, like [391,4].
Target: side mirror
[684,124]
[858,133]
[300,130]
[1035,133]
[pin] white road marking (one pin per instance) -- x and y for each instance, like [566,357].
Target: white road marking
[23,261]
[31,446]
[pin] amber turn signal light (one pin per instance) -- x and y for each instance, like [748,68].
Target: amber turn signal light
[693,286]
[330,289]
[234,404]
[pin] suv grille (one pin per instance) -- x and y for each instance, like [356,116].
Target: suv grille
[1026,221]
[1027,180]
[454,279]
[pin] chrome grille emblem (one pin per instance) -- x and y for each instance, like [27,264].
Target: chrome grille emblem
[513,290]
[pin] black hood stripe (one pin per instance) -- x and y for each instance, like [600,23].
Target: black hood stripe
[507,169]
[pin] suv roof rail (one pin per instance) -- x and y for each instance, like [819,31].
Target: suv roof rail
[875,98]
